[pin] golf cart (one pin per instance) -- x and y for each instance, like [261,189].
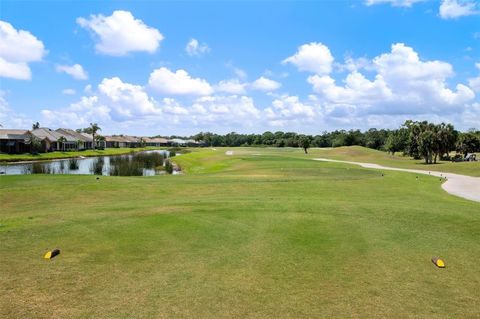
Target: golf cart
[470,157]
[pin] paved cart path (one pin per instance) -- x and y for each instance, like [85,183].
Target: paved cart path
[459,185]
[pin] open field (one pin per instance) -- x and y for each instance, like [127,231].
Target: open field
[60,154]
[264,233]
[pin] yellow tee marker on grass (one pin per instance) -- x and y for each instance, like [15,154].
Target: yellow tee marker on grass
[438,262]
[51,254]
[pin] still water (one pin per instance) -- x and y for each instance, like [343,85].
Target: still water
[86,165]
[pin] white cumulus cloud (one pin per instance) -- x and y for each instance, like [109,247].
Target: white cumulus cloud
[403,84]
[121,33]
[452,9]
[179,82]
[289,108]
[114,101]
[357,89]
[423,82]
[80,114]
[76,71]
[225,110]
[127,100]
[17,49]
[313,57]
[265,84]
[194,47]
[232,86]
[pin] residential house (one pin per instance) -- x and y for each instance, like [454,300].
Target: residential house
[14,141]
[191,143]
[84,140]
[115,141]
[178,142]
[129,141]
[156,141]
[50,140]
[182,142]
[133,141]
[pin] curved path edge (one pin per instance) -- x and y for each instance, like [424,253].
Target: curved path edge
[467,187]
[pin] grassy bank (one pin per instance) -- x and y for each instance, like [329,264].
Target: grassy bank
[59,154]
[264,233]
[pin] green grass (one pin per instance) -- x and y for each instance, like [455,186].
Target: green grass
[275,235]
[362,154]
[366,155]
[60,154]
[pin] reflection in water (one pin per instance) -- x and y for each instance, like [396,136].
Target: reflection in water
[146,163]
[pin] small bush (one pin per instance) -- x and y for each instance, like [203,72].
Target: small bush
[125,166]
[168,167]
[41,168]
[177,149]
[149,160]
[73,163]
[97,166]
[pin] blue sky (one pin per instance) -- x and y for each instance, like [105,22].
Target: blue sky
[152,68]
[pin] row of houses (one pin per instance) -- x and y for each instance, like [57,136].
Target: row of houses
[135,141]
[62,139]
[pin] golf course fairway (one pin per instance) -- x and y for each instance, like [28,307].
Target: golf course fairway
[259,233]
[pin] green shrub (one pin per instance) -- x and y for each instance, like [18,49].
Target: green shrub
[97,166]
[73,163]
[41,168]
[168,167]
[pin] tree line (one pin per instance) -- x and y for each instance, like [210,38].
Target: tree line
[418,139]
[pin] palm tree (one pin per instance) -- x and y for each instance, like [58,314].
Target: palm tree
[62,140]
[93,129]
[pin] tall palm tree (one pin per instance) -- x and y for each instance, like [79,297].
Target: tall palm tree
[93,129]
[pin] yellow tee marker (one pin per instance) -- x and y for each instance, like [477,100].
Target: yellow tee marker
[51,254]
[438,262]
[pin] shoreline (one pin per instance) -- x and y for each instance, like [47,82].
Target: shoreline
[66,157]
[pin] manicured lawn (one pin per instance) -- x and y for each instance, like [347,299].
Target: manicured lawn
[55,155]
[274,235]
[362,154]
[367,155]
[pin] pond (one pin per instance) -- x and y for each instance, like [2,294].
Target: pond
[147,163]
